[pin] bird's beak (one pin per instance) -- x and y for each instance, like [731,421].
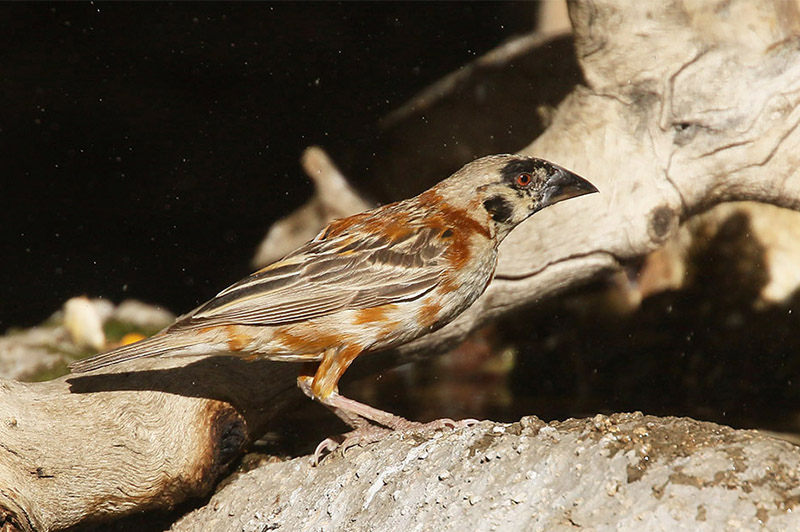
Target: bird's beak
[564,185]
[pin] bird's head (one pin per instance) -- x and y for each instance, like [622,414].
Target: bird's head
[512,187]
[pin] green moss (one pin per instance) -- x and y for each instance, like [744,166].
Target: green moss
[115,330]
[57,370]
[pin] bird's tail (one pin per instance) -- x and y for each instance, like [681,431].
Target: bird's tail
[150,347]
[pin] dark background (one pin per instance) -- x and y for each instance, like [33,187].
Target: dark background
[146,148]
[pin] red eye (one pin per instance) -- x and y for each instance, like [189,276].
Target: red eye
[524,180]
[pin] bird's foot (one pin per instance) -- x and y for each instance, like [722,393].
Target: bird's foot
[358,437]
[437,424]
[369,423]
[367,434]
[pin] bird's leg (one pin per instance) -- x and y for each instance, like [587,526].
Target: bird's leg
[370,424]
[324,380]
[323,388]
[363,430]
[357,415]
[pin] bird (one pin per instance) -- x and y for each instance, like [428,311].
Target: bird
[368,282]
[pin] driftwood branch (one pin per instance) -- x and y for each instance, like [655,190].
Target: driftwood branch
[685,105]
[102,446]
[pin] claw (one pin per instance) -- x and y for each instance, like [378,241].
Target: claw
[362,436]
[325,447]
[373,433]
[437,424]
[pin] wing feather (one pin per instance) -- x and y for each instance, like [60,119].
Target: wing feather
[320,279]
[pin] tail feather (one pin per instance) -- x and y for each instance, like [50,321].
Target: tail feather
[150,347]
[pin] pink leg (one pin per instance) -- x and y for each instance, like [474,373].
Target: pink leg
[370,424]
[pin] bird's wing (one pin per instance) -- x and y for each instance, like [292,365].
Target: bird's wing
[329,275]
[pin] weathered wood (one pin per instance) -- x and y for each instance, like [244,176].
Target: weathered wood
[626,472]
[105,445]
[686,105]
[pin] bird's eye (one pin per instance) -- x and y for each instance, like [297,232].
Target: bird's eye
[524,179]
